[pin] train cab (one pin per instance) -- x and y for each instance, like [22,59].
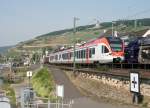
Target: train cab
[106,50]
[116,48]
[138,51]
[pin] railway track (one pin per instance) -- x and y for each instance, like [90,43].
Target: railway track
[107,70]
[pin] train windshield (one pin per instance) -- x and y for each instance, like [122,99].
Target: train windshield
[115,43]
[146,52]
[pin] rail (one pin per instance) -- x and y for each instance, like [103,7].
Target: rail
[144,73]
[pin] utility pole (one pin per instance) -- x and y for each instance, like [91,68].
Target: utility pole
[135,23]
[74,44]
[113,28]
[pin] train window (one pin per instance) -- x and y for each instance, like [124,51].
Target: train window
[52,57]
[62,56]
[71,54]
[67,55]
[146,53]
[77,54]
[59,56]
[84,53]
[90,53]
[93,50]
[56,57]
[80,54]
[105,49]
[116,44]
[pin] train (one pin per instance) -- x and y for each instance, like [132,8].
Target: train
[138,51]
[104,49]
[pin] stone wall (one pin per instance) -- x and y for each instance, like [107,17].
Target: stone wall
[120,82]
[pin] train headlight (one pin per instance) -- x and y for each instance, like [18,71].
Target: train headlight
[117,60]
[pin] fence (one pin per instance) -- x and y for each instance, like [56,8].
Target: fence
[50,105]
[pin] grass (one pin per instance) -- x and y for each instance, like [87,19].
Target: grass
[145,105]
[10,93]
[103,68]
[43,83]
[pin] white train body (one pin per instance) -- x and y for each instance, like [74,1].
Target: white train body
[101,50]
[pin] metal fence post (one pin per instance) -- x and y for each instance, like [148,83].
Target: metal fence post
[37,105]
[62,102]
[49,105]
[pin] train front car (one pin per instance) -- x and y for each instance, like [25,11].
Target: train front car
[138,51]
[144,51]
[117,49]
[104,50]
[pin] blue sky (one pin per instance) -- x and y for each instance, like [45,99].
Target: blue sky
[25,19]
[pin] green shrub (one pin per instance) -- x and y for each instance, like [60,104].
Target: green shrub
[43,82]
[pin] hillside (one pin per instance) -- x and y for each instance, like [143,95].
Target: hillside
[65,37]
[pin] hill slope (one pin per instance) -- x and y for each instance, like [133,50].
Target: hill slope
[84,33]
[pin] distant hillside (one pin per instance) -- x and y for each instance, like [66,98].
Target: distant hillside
[85,33]
[4,49]
[59,32]
[139,22]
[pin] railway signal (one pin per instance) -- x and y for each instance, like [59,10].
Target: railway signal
[134,82]
[135,86]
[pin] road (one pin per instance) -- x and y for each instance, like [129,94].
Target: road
[71,92]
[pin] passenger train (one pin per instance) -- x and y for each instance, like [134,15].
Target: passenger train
[138,51]
[101,50]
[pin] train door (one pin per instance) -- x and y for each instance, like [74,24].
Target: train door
[87,55]
[105,56]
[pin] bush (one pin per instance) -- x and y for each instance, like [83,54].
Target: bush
[43,83]
[9,93]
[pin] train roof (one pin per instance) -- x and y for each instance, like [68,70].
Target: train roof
[145,41]
[91,42]
[109,38]
[141,41]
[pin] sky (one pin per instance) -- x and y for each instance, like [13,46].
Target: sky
[22,20]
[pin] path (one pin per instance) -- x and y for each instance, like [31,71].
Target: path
[71,92]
